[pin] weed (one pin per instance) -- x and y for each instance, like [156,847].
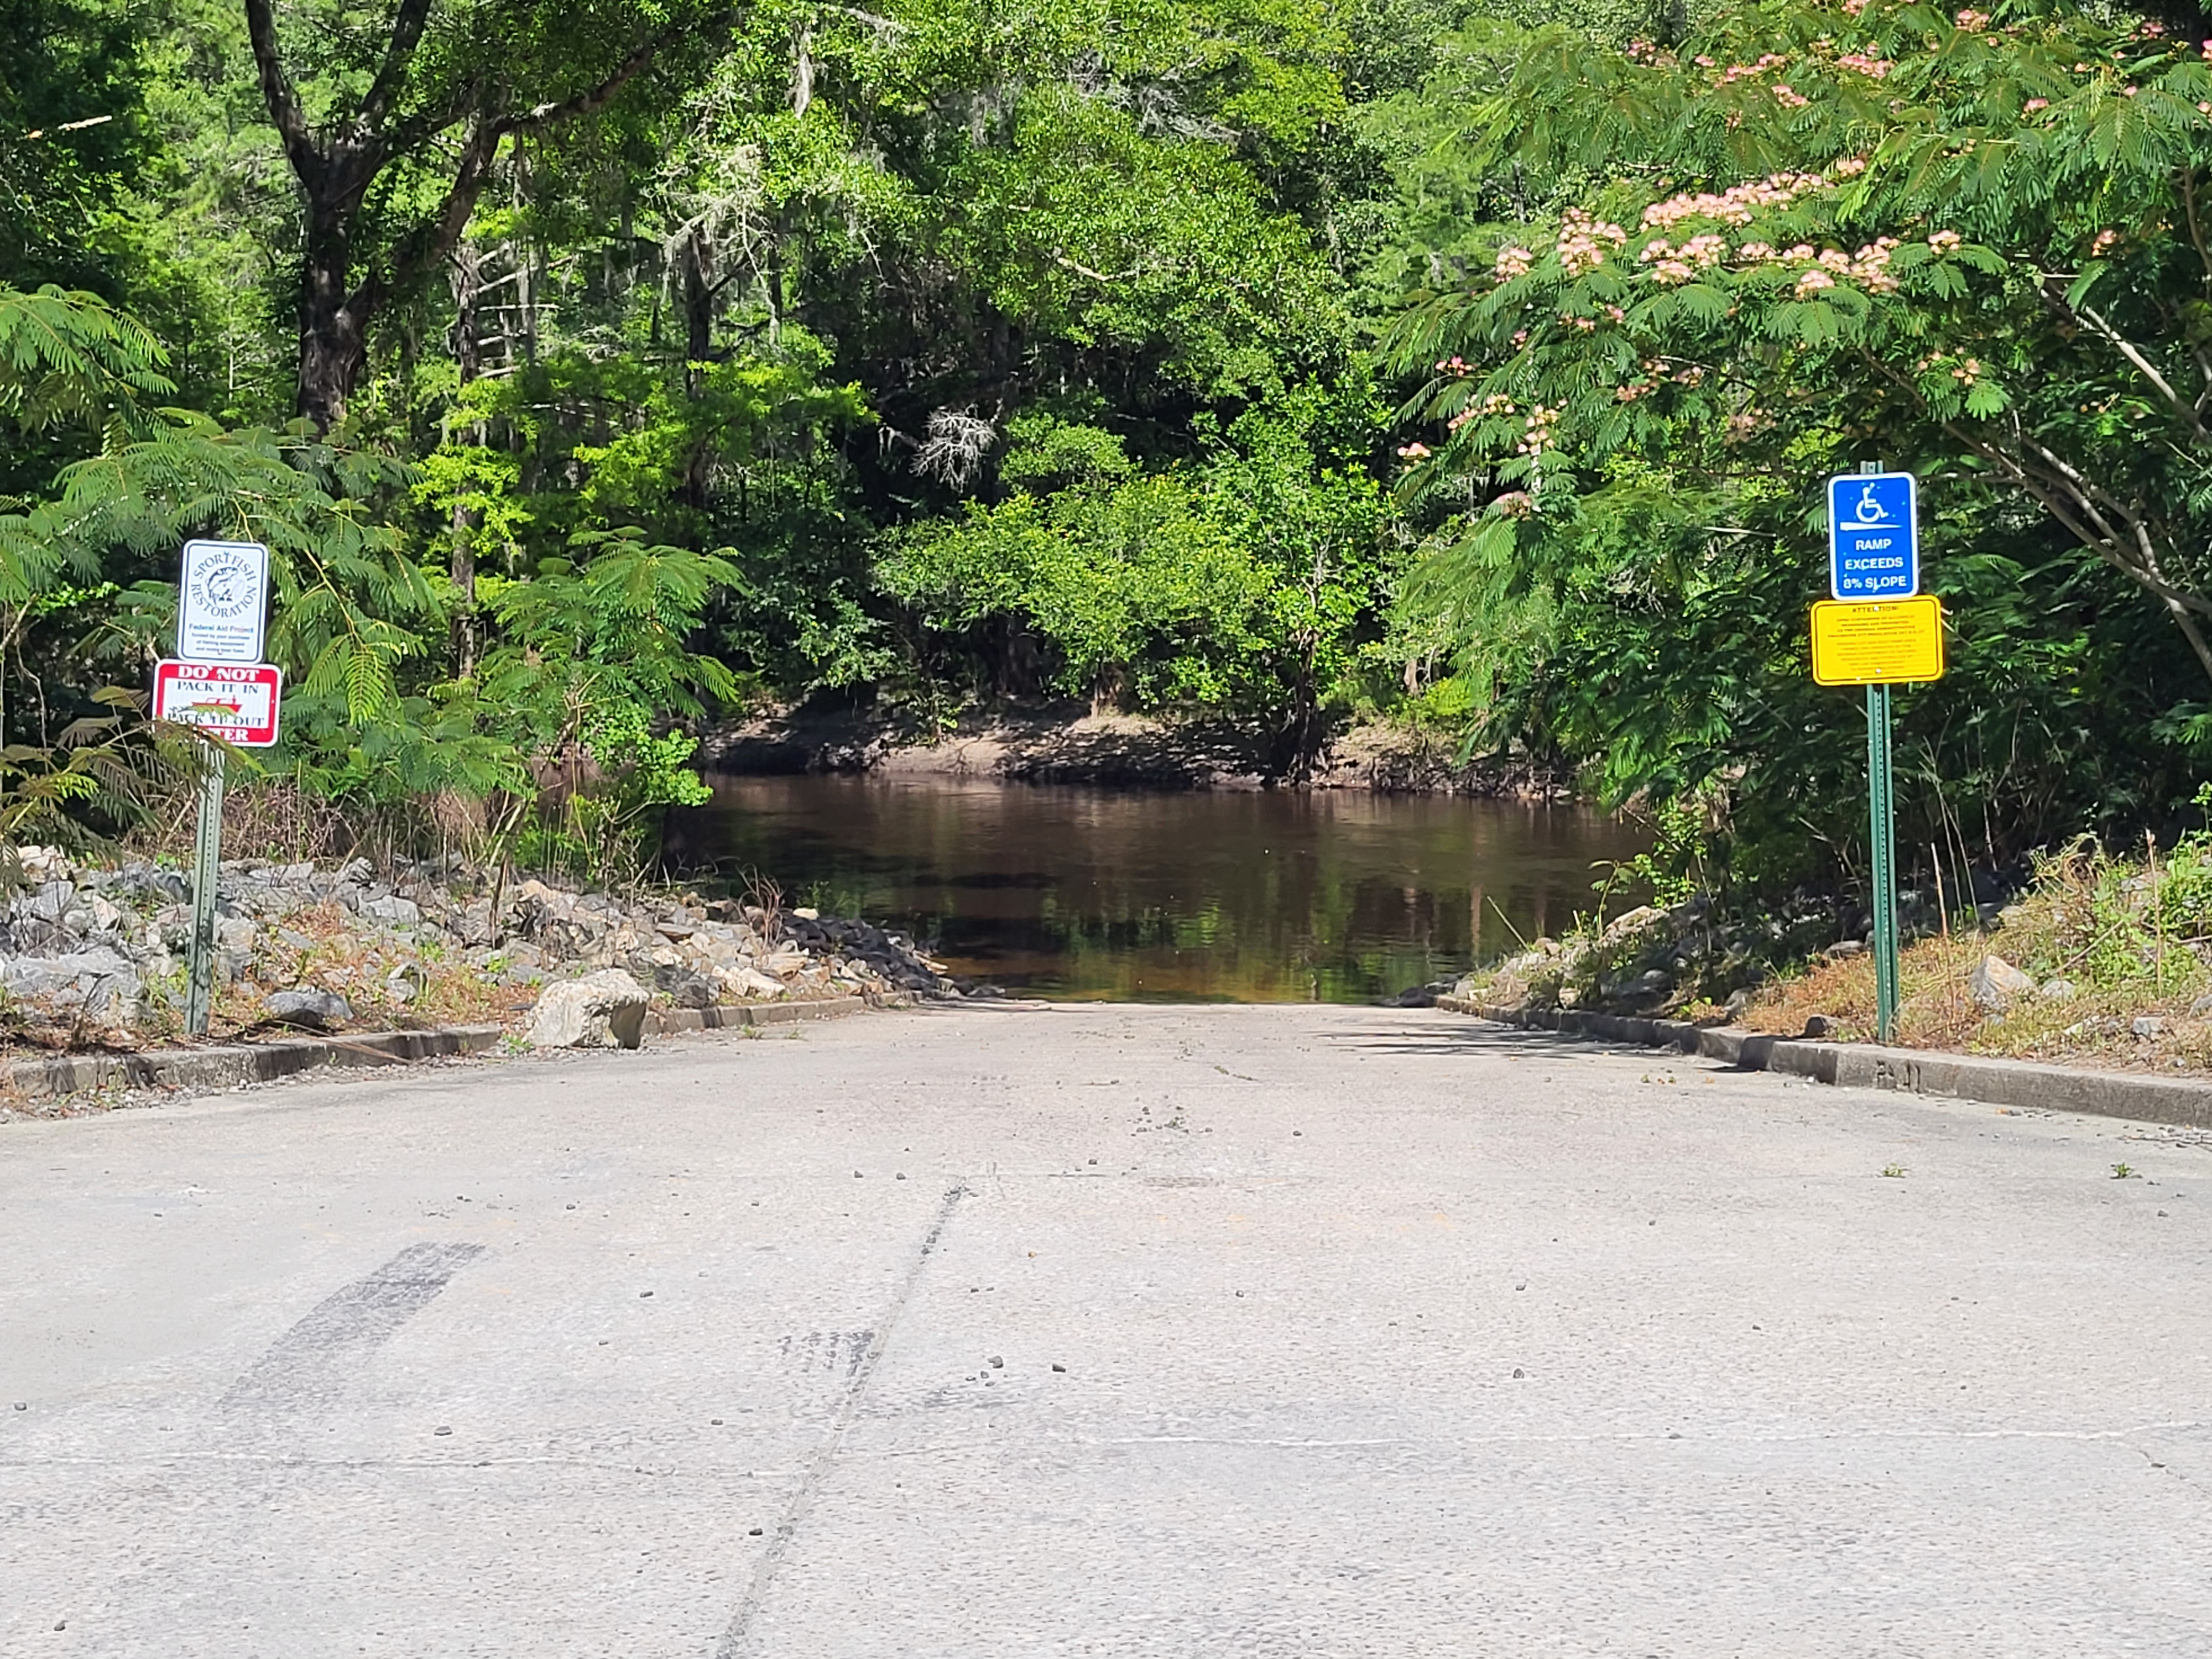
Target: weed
[1894,1171]
[2124,1172]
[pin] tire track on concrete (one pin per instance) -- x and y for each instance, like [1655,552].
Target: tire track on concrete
[321,1355]
[737,1636]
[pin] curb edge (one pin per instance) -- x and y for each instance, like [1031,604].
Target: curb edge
[1866,1066]
[230,1066]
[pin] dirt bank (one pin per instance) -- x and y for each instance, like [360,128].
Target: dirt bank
[1063,743]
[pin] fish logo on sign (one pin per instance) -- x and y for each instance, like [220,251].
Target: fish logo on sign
[1873,536]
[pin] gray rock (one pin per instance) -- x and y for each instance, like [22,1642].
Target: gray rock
[235,933]
[2059,990]
[2201,1007]
[309,1009]
[605,1010]
[1819,1026]
[2146,1025]
[1625,926]
[1995,982]
[98,982]
[49,903]
[391,907]
[686,988]
[404,983]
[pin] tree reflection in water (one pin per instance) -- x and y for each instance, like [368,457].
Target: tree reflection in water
[1084,893]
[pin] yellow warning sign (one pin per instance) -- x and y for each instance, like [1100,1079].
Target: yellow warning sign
[1877,642]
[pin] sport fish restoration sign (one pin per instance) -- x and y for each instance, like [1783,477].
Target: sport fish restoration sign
[236,702]
[222,600]
[1873,536]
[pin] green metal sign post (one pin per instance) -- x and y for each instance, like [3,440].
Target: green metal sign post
[207,868]
[1882,841]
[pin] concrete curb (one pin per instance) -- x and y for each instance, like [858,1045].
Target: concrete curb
[1865,1065]
[724,1017]
[230,1066]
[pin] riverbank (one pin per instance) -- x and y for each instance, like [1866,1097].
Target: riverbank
[1064,743]
[92,958]
[2102,961]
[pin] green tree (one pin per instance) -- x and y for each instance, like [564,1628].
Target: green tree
[1973,242]
[404,117]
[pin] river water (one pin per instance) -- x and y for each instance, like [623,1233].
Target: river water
[1082,893]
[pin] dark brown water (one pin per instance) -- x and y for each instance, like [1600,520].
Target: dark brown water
[1272,897]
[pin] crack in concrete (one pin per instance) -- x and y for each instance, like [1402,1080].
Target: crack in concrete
[737,1636]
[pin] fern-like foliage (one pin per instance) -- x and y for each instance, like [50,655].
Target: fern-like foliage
[67,357]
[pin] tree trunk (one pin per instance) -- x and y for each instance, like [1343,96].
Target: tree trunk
[467,277]
[698,345]
[333,352]
[698,309]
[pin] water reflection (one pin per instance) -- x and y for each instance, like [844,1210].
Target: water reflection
[1089,893]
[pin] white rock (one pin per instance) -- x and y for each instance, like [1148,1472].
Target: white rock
[605,1010]
[747,983]
[1995,982]
[44,864]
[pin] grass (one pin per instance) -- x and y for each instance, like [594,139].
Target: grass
[2120,950]
[358,966]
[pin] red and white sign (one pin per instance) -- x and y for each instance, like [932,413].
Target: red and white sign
[233,701]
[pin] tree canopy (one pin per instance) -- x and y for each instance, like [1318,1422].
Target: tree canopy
[598,373]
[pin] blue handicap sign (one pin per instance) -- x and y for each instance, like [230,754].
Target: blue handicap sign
[1873,536]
